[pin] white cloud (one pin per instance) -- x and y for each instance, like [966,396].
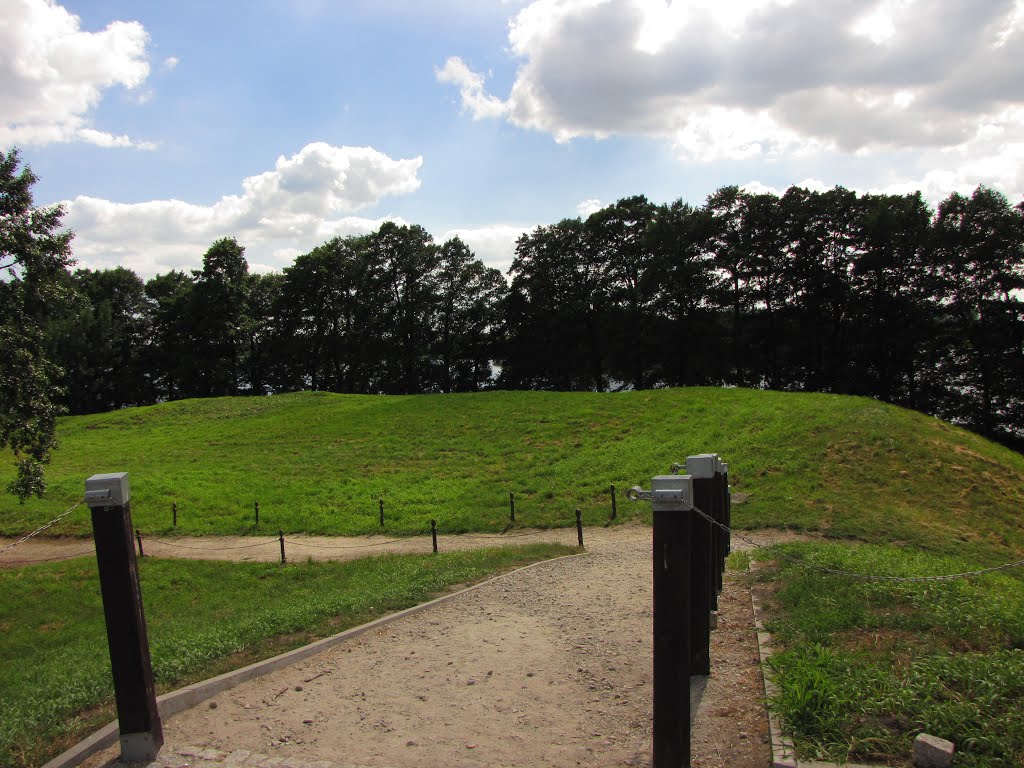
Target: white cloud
[471,89]
[589,206]
[308,198]
[53,75]
[170,63]
[494,245]
[743,79]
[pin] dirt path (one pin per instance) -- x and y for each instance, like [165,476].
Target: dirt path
[550,666]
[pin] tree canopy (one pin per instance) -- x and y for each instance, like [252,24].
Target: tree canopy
[34,257]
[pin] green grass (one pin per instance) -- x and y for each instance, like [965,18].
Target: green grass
[852,467]
[203,618]
[870,664]
[867,665]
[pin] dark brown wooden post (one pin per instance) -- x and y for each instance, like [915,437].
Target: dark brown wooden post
[512,506]
[381,513]
[141,733]
[174,513]
[257,513]
[614,510]
[433,534]
[671,675]
[702,583]
[138,538]
[280,537]
[579,528]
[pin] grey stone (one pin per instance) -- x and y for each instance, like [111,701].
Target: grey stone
[933,752]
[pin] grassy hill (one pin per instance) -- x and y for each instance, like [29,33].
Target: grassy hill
[852,467]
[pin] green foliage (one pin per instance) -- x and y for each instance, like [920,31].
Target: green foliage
[34,256]
[203,618]
[870,664]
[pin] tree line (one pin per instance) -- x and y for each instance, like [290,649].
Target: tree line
[831,291]
[875,295]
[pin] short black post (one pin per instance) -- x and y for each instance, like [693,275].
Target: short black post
[174,513]
[702,583]
[512,506]
[615,512]
[280,537]
[138,538]
[381,512]
[257,513]
[433,534]
[671,675]
[579,528]
[141,733]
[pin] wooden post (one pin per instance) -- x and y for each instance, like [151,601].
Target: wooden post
[174,513]
[579,528]
[671,677]
[141,733]
[433,534]
[257,513]
[138,538]
[702,584]
[614,510]
[381,512]
[512,506]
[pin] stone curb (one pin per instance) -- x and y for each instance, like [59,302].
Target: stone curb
[187,697]
[783,751]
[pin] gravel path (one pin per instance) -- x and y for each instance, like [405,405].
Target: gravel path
[550,666]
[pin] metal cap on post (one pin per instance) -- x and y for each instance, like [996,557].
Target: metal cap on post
[109,490]
[141,733]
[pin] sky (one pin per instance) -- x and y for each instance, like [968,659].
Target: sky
[163,126]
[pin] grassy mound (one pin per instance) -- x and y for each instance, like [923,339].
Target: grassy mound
[318,463]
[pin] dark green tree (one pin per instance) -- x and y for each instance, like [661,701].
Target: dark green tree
[219,320]
[169,354]
[469,295]
[978,266]
[100,340]
[34,258]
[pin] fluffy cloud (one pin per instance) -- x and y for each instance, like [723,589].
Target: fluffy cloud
[52,74]
[307,198]
[494,245]
[740,79]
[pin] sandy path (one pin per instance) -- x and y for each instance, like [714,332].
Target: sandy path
[550,666]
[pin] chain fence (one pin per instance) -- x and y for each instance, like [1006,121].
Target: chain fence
[854,574]
[40,529]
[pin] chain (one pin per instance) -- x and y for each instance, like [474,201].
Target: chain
[39,530]
[866,576]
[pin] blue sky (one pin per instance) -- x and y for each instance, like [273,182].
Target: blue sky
[165,125]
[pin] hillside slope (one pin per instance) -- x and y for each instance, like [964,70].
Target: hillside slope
[316,462]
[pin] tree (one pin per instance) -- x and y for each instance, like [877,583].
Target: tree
[219,319]
[101,337]
[469,295]
[34,258]
[978,266]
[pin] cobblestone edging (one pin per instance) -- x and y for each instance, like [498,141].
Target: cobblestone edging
[199,757]
[783,752]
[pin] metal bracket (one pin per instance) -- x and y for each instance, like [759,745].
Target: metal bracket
[670,493]
[636,493]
